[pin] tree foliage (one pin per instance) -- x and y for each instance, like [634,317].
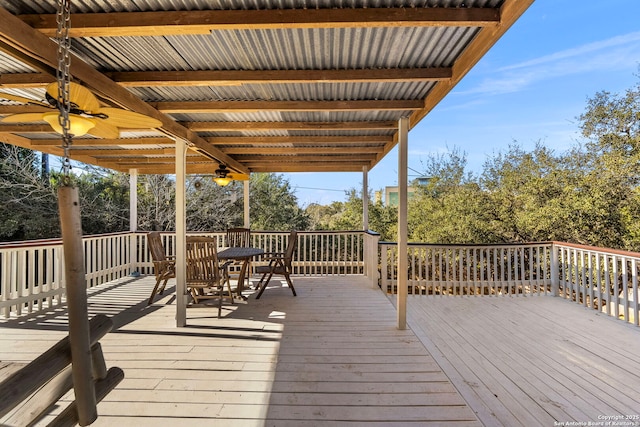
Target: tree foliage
[28,202]
[274,205]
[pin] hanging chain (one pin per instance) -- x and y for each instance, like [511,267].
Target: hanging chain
[63,18]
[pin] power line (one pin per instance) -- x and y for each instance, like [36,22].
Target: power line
[322,189]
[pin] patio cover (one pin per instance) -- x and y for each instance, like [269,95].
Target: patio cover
[264,86]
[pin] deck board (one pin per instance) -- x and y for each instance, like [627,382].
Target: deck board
[555,360]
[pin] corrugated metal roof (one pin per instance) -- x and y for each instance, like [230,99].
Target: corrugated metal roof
[329,111]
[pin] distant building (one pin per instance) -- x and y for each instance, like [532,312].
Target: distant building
[391,193]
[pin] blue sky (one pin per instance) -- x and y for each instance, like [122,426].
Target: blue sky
[529,87]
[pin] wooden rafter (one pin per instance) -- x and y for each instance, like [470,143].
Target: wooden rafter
[252,126]
[238,77]
[265,140]
[253,106]
[203,21]
[324,150]
[86,142]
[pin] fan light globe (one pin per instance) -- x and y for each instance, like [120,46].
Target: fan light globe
[221,181]
[78,126]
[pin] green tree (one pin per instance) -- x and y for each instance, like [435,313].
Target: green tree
[527,195]
[274,206]
[322,217]
[28,201]
[104,200]
[608,212]
[211,207]
[451,206]
[156,203]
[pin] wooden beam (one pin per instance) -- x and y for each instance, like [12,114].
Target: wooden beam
[355,166]
[5,110]
[256,106]
[252,126]
[40,52]
[35,128]
[122,152]
[244,140]
[25,80]
[238,77]
[295,151]
[192,168]
[91,142]
[163,23]
[346,158]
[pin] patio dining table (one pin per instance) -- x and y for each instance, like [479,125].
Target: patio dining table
[243,254]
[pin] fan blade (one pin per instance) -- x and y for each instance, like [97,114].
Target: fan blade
[23,118]
[23,99]
[129,119]
[103,130]
[79,95]
[238,176]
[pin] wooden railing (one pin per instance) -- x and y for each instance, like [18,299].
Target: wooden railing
[32,273]
[32,276]
[318,253]
[601,279]
[470,269]
[604,280]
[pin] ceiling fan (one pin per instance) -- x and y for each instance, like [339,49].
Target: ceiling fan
[86,114]
[224,176]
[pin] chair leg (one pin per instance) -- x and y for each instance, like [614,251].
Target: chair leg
[288,279]
[155,290]
[264,285]
[164,284]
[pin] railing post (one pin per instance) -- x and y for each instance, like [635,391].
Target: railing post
[371,257]
[555,271]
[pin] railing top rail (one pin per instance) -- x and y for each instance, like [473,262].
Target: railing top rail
[598,249]
[472,245]
[52,242]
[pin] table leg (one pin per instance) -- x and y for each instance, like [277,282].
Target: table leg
[241,276]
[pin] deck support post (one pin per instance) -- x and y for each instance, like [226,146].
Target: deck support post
[555,271]
[133,219]
[365,198]
[247,222]
[181,233]
[403,263]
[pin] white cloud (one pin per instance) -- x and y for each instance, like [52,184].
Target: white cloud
[620,52]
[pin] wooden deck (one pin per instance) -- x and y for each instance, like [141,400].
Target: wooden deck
[533,361]
[332,356]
